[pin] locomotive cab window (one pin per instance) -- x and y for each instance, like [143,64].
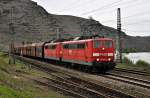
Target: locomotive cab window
[72,46]
[65,46]
[81,46]
[52,47]
[108,44]
[96,44]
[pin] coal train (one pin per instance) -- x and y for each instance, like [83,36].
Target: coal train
[89,54]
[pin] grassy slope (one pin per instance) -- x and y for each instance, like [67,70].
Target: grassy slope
[13,84]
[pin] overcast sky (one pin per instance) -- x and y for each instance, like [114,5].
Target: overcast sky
[135,13]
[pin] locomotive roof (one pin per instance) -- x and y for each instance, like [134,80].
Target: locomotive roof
[52,43]
[77,41]
[87,40]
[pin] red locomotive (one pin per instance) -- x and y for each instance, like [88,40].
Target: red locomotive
[91,54]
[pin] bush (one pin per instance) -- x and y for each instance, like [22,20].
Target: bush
[142,63]
[127,61]
[129,50]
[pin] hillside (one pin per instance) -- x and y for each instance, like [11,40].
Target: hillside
[25,21]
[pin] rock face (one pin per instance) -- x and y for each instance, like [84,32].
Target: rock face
[25,21]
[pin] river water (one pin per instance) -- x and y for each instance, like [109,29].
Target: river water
[145,56]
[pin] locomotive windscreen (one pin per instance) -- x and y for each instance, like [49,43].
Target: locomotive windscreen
[104,43]
[97,43]
[108,44]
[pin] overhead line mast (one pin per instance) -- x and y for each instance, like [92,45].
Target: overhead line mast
[119,42]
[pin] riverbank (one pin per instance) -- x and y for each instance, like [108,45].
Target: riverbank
[136,61]
[139,67]
[134,57]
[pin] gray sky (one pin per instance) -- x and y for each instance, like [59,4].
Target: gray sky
[135,13]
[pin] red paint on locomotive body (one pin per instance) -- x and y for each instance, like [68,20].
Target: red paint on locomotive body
[77,51]
[89,51]
[103,50]
[52,50]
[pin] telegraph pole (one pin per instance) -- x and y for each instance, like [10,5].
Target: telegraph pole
[119,56]
[11,44]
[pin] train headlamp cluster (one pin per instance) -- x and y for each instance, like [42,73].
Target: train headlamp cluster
[98,59]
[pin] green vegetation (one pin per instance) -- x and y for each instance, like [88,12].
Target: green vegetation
[15,84]
[140,65]
[129,50]
[127,61]
[7,92]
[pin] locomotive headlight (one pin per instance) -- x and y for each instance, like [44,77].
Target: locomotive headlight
[103,48]
[97,59]
[95,54]
[109,59]
[110,54]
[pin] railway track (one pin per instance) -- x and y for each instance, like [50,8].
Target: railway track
[97,89]
[68,85]
[71,88]
[129,80]
[131,77]
[132,71]
[57,87]
[78,86]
